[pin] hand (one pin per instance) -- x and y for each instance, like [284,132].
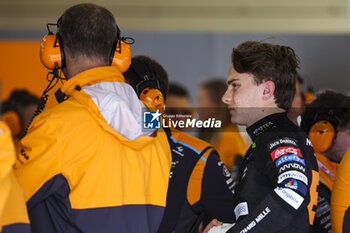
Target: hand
[212,224]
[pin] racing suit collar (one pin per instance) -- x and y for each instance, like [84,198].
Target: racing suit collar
[265,124]
[92,76]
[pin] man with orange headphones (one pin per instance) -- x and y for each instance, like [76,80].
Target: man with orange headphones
[327,122]
[200,186]
[85,164]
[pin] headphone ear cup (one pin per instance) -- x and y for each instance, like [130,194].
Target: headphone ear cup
[309,97]
[153,99]
[121,56]
[50,52]
[13,121]
[322,134]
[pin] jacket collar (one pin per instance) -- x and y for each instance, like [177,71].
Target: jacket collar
[91,76]
[94,76]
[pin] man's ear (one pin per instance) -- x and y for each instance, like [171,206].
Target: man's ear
[269,89]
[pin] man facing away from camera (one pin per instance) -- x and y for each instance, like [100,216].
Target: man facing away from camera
[85,164]
[200,186]
[278,179]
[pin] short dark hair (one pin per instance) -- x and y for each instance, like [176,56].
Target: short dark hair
[88,30]
[269,62]
[18,100]
[216,88]
[155,69]
[328,105]
[178,90]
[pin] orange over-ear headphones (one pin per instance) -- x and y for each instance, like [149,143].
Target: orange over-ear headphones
[121,53]
[52,50]
[323,132]
[16,110]
[148,88]
[13,121]
[153,99]
[308,97]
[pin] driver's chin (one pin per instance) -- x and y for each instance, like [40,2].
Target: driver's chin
[234,119]
[238,119]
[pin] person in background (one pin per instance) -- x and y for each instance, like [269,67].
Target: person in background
[200,186]
[278,178]
[178,99]
[340,200]
[327,122]
[178,104]
[298,104]
[85,164]
[18,111]
[13,210]
[228,140]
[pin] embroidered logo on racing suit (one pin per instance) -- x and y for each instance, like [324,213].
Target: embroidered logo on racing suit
[289,196]
[292,174]
[295,185]
[292,166]
[280,141]
[280,151]
[289,158]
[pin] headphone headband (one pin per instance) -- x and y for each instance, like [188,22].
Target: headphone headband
[145,76]
[326,114]
[147,88]
[52,50]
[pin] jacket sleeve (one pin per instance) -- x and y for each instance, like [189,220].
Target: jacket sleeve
[208,194]
[340,198]
[40,154]
[13,211]
[322,222]
[7,154]
[15,217]
[217,189]
[291,178]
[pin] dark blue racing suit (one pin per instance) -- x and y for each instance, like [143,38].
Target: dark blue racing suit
[278,180]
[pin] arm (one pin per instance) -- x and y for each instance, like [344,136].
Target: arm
[217,190]
[340,199]
[15,217]
[7,154]
[38,159]
[293,191]
[322,222]
[208,194]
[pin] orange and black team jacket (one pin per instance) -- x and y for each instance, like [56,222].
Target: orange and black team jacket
[200,186]
[328,169]
[86,166]
[340,202]
[13,211]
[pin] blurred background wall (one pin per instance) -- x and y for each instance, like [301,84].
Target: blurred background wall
[192,39]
